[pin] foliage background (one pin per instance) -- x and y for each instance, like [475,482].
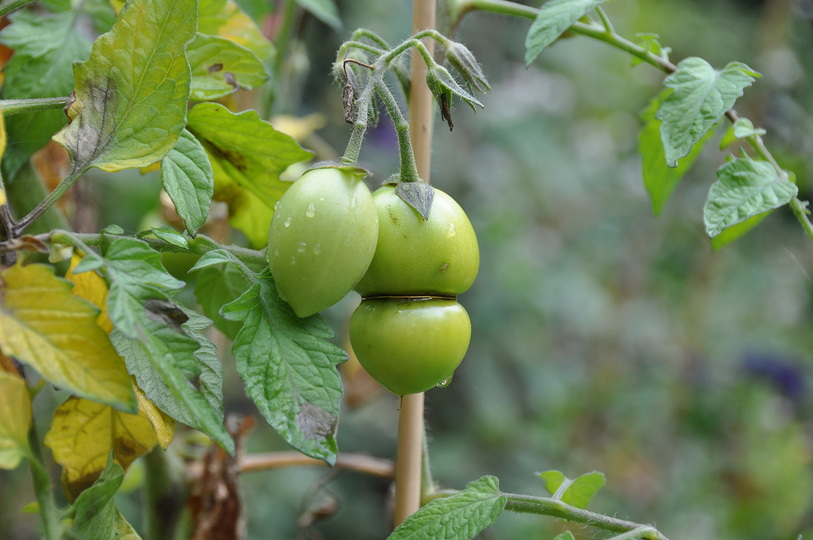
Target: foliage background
[604,337]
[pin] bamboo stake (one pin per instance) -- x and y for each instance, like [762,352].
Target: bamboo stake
[410,415]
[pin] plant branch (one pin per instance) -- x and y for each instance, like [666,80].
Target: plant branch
[11,107]
[7,6]
[23,223]
[200,245]
[383,468]
[409,169]
[548,506]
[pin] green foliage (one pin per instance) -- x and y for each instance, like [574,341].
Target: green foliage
[221,66]
[324,10]
[188,179]
[553,18]
[701,96]
[95,515]
[660,180]
[288,368]
[456,517]
[578,492]
[131,94]
[744,188]
[44,46]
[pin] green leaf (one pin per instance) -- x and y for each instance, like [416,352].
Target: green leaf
[136,274]
[324,10]
[221,66]
[15,420]
[216,256]
[216,287]
[45,47]
[652,45]
[660,181]
[289,368]
[582,490]
[741,129]
[458,517]
[553,18]
[553,480]
[247,156]
[187,177]
[701,96]
[95,515]
[567,535]
[174,375]
[578,492]
[736,231]
[132,92]
[170,236]
[744,188]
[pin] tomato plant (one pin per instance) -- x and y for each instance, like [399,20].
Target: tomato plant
[118,330]
[322,238]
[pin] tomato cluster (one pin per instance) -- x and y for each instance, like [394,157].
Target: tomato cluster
[409,332]
[329,235]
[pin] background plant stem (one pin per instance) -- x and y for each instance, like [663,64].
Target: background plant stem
[408,467]
[42,487]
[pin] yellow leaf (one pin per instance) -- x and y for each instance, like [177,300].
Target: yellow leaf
[2,147]
[83,433]
[15,420]
[300,128]
[42,324]
[226,19]
[90,286]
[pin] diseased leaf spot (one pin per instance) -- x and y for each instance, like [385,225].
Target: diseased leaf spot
[315,422]
[214,67]
[230,80]
[166,312]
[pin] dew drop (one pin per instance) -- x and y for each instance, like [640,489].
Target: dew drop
[293,260]
[445,382]
[276,252]
[276,206]
[287,223]
[317,249]
[451,231]
[311,210]
[301,247]
[353,202]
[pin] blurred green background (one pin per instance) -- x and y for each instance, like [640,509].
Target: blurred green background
[604,337]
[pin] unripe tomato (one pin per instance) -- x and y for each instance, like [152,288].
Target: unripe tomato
[436,257]
[322,238]
[410,345]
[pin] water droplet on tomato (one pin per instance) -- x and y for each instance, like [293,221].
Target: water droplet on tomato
[451,231]
[287,223]
[301,247]
[353,201]
[445,382]
[317,249]
[311,211]
[276,206]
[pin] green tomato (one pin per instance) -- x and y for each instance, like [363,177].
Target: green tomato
[322,238]
[436,257]
[410,345]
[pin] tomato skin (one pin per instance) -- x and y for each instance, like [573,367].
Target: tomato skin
[322,238]
[410,345]
[436,257]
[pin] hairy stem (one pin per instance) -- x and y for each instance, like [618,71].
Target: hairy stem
[548,506]
[42,487]
[19,106]
[409,169]
[7,6]
[63,187]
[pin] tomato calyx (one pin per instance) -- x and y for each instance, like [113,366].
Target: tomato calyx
[355,170]
[419,195]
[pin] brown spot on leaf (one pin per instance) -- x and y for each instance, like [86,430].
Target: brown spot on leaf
[214,67]
[230,80]
[166,312]
[315,423]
